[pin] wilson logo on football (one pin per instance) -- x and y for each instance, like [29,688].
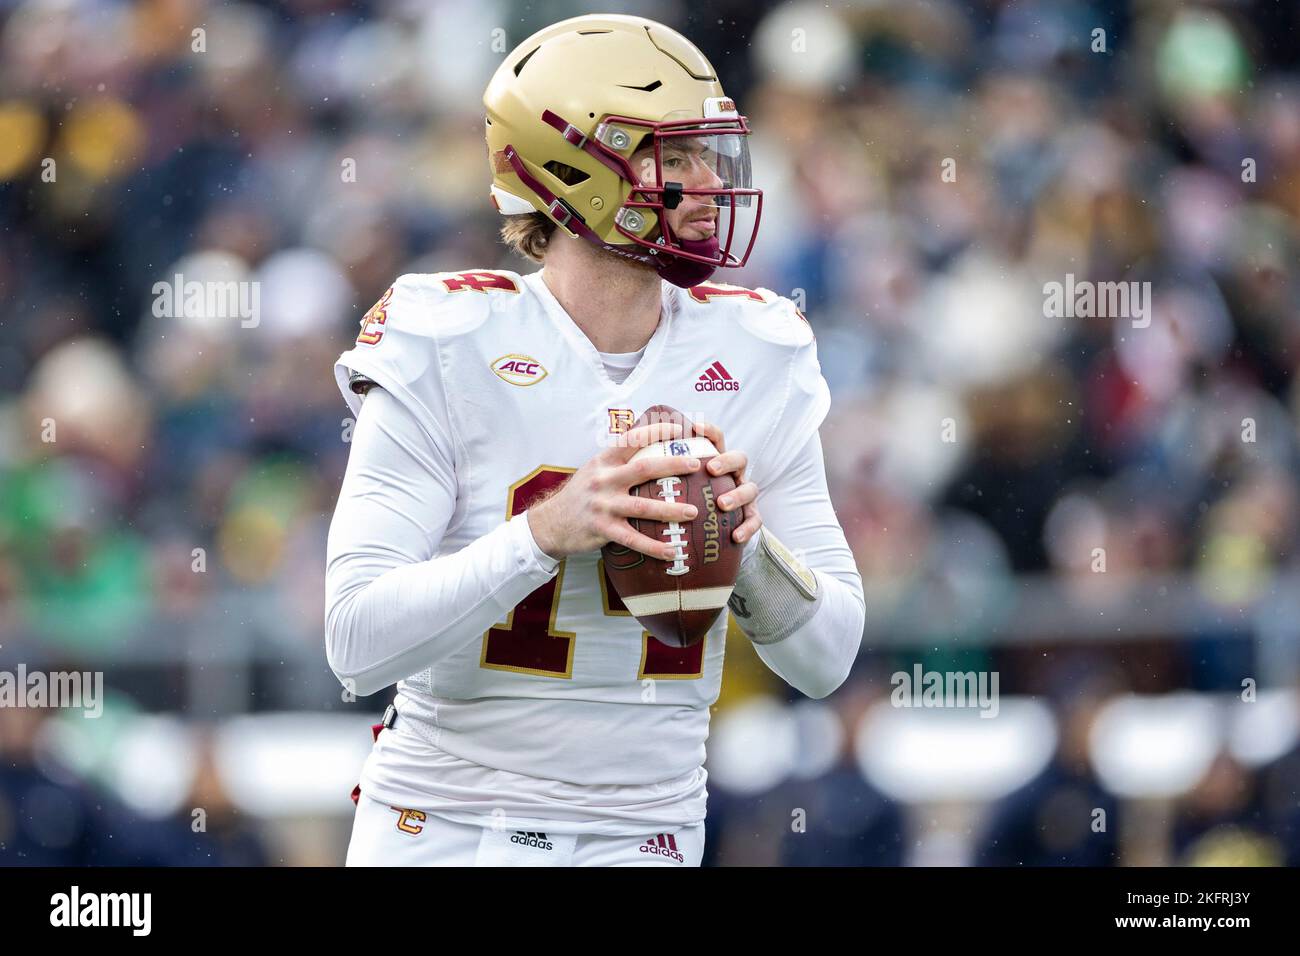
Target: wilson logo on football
[717,379]
[519,369]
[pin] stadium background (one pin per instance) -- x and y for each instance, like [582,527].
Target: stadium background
[1162,690]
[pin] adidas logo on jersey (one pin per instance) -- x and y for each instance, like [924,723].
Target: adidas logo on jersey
[663,844]
[715,378]
[526,838]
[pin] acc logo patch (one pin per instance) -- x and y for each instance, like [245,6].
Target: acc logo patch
[519,369]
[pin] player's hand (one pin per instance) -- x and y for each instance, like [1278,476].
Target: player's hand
[591,508]
[746,493]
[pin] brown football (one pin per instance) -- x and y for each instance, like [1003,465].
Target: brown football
[677,601]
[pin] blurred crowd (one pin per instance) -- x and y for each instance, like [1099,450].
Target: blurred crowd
[166,481]
[1236,813]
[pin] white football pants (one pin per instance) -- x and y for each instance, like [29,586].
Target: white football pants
[393,836]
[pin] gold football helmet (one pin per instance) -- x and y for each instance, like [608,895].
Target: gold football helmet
[590,120]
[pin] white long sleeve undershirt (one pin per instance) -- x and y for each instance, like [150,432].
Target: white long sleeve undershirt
[817,658]
[391,611]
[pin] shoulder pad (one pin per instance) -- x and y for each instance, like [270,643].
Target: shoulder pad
[484,282]
[761,312]
[429,304]
[464,299]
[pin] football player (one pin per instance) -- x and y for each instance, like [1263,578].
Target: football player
[536,722]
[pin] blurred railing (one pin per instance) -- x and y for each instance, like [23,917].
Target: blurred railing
[240,652]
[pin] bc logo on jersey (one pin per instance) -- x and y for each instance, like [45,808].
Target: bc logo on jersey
[620,420]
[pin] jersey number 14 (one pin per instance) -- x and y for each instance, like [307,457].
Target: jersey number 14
[530,643]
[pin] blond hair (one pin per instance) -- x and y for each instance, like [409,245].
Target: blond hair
[528,234]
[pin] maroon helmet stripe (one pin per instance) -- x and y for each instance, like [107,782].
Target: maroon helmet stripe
[574,224]
[596,149]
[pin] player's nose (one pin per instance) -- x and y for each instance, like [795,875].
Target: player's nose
[703,176]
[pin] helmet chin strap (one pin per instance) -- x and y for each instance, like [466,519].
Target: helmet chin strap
[685,273]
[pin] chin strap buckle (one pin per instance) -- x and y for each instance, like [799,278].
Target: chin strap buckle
[559,212]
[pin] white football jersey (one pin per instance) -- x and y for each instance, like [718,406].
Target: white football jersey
[568,687]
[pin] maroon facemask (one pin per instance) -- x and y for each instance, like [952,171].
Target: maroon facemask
[711,146]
